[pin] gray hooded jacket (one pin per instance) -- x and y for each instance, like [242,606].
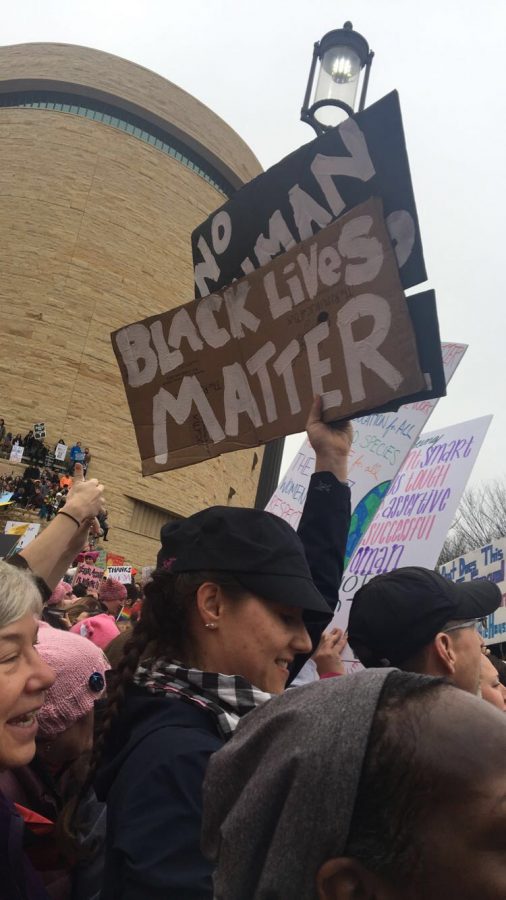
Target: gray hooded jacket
[279,796]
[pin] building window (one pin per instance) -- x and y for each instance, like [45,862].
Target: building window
[131,124]
[148,520]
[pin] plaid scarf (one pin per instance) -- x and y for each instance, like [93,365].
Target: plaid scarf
[228,697]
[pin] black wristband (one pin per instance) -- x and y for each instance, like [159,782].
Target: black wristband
[69,516]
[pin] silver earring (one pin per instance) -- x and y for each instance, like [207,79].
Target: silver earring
[210,625]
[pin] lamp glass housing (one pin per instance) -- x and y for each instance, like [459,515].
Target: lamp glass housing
[338,79]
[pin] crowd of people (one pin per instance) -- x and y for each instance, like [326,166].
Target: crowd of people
[44,490]
[39,489]
[160,744]
[36,450]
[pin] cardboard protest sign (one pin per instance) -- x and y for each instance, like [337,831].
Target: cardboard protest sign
[16,453]
[381,442]
[90,576]
[329,317]
[39,430]
[120,573]
[365,156]
[486,563]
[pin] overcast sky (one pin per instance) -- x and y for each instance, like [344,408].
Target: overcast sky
[249,62]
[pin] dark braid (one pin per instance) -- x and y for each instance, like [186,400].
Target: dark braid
[117,684]
[162,631]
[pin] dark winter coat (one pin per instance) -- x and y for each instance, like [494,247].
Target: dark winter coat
[157,756]
[18,880]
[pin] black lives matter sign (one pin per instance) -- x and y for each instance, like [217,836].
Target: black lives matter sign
[240,367]
[363,157]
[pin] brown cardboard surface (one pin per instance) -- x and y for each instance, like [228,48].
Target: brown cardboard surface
[240,367]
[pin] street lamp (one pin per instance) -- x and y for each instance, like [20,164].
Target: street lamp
[342,54]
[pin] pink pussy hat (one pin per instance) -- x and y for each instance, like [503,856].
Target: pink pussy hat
[100,630]
[80,669]
[60,594]
[112,590]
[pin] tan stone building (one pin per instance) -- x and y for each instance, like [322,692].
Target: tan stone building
[105,169]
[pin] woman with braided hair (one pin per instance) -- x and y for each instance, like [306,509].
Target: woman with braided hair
[230,612]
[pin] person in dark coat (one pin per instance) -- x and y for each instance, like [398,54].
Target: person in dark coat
[233,594]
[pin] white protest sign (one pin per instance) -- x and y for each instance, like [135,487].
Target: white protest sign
[16,453]
[60,452]
[120,573]
[486,563]
[380,445]
[39,430]
[412,522]
[146,573]
[26,531]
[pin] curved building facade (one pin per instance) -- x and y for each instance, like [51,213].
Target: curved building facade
[105,169]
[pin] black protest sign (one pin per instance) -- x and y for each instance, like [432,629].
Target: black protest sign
[363,157]
[423,312]
[7,544]
[241,366]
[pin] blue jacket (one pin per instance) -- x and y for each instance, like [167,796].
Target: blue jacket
[155,761]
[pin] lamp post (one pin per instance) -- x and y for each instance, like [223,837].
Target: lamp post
[342,55]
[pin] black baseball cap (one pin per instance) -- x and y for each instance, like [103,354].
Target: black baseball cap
[396,614]
[259,549]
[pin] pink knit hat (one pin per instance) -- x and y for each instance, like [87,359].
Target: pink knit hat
[100,630]
[59,594]
[112,590]
[80,669]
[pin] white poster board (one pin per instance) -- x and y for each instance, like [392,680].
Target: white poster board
[27,532]
[120,573]
[60,452]
[413,520]
[486,563]
[16,453]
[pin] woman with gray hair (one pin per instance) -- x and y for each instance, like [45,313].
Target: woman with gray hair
[24,677]
[25,580]
[376,786]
